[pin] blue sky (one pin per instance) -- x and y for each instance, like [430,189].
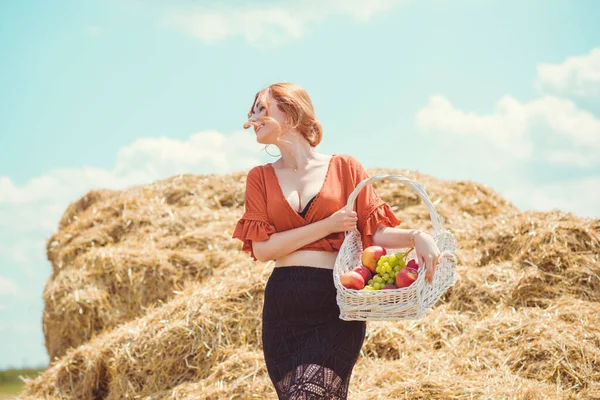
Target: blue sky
[117,93]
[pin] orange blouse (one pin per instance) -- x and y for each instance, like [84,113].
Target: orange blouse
[344,172]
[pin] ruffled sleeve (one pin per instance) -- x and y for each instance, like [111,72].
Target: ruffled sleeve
[371,210]
[254,224]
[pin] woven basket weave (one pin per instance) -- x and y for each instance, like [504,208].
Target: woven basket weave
[411,302]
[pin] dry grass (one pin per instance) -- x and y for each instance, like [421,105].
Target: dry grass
[151,299]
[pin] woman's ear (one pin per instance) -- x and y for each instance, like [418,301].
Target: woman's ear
[286,123]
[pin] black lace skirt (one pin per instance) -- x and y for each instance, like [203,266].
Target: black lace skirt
[309,351]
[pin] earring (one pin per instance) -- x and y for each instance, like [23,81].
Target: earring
[267,151]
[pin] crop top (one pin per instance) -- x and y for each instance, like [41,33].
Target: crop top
[344,173]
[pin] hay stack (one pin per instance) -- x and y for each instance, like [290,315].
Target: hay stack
[109,285]
[151,299]
[118,252]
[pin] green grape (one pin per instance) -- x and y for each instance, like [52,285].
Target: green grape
[380,262]
[378,269]
[368,287]
[370,282]
[388,268]
[391,280]
[377,279]
[385,276]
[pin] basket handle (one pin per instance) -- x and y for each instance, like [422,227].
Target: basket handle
[435,218]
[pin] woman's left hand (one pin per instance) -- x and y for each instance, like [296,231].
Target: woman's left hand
[428,253]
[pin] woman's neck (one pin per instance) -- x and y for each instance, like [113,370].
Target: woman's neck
[296,153]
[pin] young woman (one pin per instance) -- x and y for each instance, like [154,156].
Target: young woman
[295,215]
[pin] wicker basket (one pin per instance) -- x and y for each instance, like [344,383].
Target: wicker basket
[411,302]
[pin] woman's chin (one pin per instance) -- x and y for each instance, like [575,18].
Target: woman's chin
[263,138]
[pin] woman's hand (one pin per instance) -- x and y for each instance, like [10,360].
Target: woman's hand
[342,221]
[428,253]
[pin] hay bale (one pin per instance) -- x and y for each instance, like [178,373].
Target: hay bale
[107,286]
[143,216]
[250,379]
[150,298]
[177,342]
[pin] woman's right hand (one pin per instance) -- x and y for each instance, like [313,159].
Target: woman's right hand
[342,221]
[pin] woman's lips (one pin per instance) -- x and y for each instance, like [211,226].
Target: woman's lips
[258,127]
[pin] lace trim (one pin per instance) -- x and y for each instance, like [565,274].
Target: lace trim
[312,382]
[255,216]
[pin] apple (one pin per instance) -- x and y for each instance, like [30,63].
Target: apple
[406,277]
[352,280]
[371,255]
[390,286]
[413,264]
[364,272]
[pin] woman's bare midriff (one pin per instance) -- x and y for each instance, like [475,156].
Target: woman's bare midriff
[309,258]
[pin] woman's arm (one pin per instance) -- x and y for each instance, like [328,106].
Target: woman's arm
[392,238]
[425,247]
[282,243]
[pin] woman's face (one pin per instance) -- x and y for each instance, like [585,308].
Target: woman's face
[268,131]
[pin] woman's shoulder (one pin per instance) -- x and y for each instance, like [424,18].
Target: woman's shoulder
[257,174]
[349,161]
[260,169]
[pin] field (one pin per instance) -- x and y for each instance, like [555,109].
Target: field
[11,385]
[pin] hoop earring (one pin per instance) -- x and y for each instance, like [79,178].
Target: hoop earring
[267,151]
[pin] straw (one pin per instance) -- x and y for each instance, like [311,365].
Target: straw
[150,298]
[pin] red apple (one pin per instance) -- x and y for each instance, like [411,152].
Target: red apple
[364,272]
[406,277]
[413,264]
[352,280]
[371,255]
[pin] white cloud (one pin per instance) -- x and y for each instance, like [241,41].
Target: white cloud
[30,213]
[580,196]
[206,152]
[27,249]
[143,161]
[578,75]
[9,287]
[505,146]
[271,24]
[547,129]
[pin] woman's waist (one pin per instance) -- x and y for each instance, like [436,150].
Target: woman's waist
[309,258]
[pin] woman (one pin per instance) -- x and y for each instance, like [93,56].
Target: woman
[295,215]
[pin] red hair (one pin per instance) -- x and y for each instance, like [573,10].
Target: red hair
[298,108]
